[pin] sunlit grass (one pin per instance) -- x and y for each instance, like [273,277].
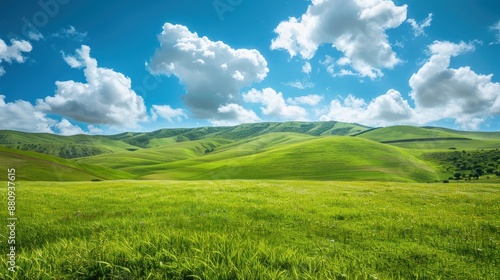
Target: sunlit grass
[256,230]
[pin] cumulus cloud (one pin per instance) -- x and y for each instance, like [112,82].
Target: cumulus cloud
[66,128]
[496,28]
[105,99]
[23,116]
[212,72]
[235,114]
[168,113]
[13,53]
[418,28]
[438,91]
[274,105]
[387,109]
[70,33]
[443,92]
[312,99]
[357,28]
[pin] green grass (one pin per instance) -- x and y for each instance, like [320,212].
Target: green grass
[450,145]
[470,134]
[35,166]
[402,132]
[326,158]
[145,160]
[255,230]
[290,150]
[272,156]
[62,146]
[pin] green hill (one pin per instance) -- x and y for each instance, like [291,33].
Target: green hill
[405,133]
[62,146]
[31,166]
[433,138]
[90,145]
[325,158]
[243,131]
[290,150]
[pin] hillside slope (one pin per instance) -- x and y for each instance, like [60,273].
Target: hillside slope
[62,146]
[291,150]
[90,145]
[433,138]
[325,158]
[31,166]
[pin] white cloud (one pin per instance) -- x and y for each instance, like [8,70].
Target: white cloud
[214,83]
[94,129]
[72,61]
[12,53]
[496,28]
[70,33]
[168,113]
[354,27]
[66,128]
[23,116]
[299,84]
[418,28]
[106,98]
[35,35]
[387,109]
[438,91]
[238,76]
[329,64]
[235,114]
[275,105]
[312,99]
[307,68]
[443,92]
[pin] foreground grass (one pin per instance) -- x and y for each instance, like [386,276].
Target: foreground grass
[255,230]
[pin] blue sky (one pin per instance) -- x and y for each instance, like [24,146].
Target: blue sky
[94,67]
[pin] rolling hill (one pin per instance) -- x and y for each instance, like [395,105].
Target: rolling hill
[290,150]
[324,158]
[32,166]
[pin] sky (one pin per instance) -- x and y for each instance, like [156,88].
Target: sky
[103,67]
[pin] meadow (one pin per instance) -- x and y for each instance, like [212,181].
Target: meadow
[295,200]
[255,229]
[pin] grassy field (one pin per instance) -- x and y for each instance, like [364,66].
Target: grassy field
[260,229]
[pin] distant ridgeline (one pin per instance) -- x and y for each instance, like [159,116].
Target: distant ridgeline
[90,145]
[289,150]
